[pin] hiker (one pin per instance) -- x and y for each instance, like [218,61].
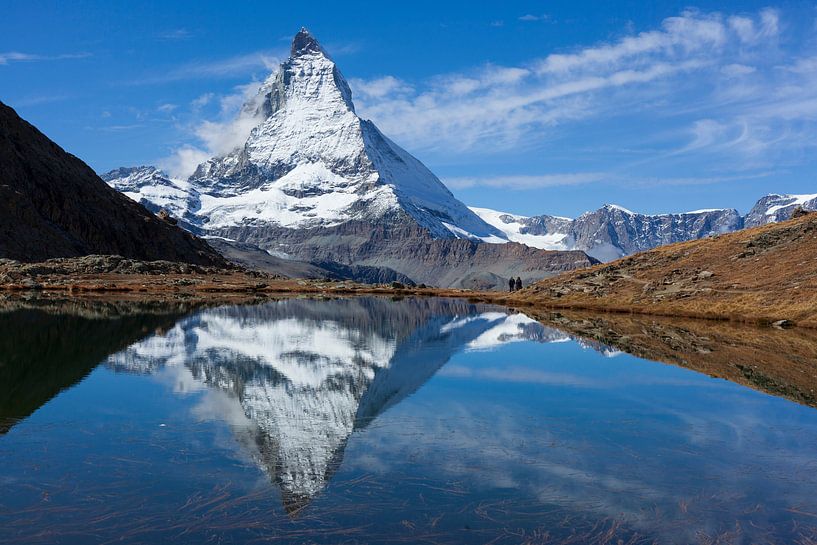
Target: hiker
[511,283]
[518,284]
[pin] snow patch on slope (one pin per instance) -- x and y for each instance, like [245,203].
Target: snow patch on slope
[790,200]
[512,226]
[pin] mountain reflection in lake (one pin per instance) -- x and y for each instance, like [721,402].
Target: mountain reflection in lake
[369,420]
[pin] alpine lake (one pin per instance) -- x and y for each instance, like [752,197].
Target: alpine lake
[415,420]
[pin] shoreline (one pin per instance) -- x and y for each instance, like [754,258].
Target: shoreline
[236,286]
[765,276]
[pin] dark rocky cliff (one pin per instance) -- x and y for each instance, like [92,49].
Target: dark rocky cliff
[53,205]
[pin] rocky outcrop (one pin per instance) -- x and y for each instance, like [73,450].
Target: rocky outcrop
[773,208]
[53,205]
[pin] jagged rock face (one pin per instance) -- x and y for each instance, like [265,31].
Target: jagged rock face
[611,231]
[773,208]
[53,205]
[315,182]
[305,374]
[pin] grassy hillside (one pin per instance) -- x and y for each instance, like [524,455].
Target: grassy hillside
[767,273]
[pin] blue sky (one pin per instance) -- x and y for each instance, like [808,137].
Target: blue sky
[528,107]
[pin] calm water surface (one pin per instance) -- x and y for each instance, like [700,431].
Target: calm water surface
[379,421]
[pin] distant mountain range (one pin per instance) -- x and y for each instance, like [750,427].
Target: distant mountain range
[53,205]
[604,234]
[612,231]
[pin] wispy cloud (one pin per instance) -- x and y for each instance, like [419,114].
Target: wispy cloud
[117,128]
[527,181]
[530,182]
[530,18]
[15,56]
[176,34]
[229,128]
[239,65]
[710,82]
[40,99]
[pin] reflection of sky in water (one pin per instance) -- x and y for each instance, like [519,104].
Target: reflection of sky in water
[444,423]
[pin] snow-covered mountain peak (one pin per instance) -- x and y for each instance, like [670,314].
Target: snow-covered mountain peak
[617,208]
[310,161]
[304,164]
[305,43]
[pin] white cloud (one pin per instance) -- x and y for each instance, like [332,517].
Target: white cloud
[15,56]
[736,70]
[229,131]
[183,162]
[768,26]
[529,18]
[723,70]
[380,87]
[526,182]
[680,37]
[202,100]
[213,69]
[498,106]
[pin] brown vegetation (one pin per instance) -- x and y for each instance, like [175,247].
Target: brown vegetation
[764,274]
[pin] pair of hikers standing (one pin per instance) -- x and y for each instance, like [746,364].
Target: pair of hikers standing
[515,284]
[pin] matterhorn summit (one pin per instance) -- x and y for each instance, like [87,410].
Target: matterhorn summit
[311,162]
[314,182]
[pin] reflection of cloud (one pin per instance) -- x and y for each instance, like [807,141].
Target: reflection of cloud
[518,374]
[591,460]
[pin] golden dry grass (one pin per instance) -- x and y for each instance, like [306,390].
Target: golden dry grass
[762,274]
